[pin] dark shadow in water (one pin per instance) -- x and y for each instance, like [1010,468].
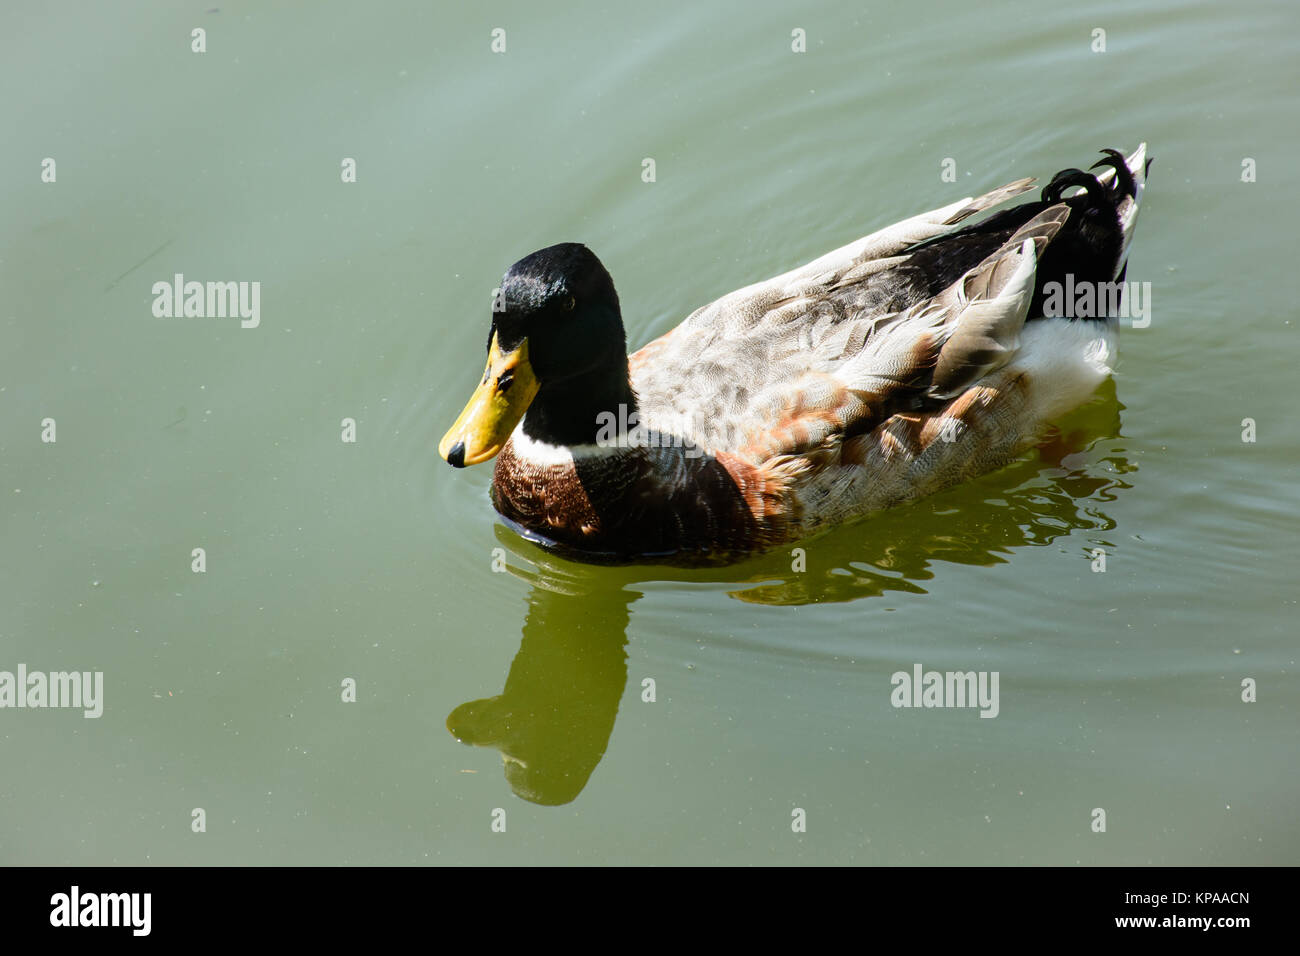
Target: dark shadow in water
[553,720]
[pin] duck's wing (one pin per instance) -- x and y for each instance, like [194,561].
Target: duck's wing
[904,362]
[780,367]
[987,308]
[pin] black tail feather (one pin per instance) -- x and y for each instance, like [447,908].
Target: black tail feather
[1087,247]
[1123,175]
[1074,177]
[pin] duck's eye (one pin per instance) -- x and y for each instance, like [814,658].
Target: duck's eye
[569,304]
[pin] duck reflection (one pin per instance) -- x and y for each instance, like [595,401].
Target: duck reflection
[553,720]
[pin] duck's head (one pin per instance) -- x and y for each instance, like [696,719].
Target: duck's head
[557,354]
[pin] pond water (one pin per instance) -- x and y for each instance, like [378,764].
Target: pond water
[521,698]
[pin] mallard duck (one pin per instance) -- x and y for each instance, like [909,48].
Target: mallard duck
[912,359]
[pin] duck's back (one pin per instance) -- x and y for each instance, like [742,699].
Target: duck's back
[904,322]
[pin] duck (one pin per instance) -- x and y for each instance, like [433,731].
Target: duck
[910,360]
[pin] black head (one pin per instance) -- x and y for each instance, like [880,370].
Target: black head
[562,300]
[557,357]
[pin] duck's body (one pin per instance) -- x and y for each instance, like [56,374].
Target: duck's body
[889,369]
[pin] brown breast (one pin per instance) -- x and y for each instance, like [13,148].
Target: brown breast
[647,503]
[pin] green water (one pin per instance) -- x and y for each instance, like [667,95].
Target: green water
[328,560]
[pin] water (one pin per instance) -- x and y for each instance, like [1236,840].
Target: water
[373,561]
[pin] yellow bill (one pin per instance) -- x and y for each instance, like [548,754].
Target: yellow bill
[495,408]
